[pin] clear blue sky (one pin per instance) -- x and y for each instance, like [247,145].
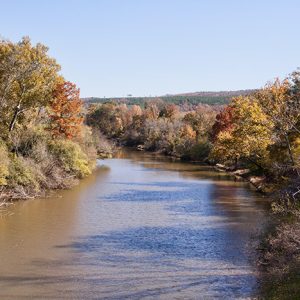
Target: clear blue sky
[142,47]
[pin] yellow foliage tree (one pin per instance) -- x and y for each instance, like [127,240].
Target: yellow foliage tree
[282,108]
[27,78]
[249,137]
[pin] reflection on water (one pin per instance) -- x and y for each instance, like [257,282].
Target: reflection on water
[139,227]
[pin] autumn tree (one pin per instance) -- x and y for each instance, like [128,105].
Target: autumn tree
[201,120]
[173,138]
[27,79]
[151,111]
[169,111]
[223,122]
[134,129]
[280,102]
[136,110]
[106,118]
[65,111]
[249,137]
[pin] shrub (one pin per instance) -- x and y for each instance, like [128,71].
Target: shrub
[4,165]
[22,142]
[103,146]
[89,142]
[24,173]
[71,156]
[200,151]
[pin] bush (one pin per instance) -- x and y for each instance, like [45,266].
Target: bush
[200,151]
[95,145]
[104,147]
[4,165]
[172,138]
[71,156]
[22,142]
[22,172]
[38,163]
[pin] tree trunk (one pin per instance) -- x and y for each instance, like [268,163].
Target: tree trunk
[255,163]
[14,119]
[236,163]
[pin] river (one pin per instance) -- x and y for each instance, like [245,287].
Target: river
[140,227]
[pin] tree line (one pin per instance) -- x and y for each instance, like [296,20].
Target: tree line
[44,143]
[189,99]
[259,131]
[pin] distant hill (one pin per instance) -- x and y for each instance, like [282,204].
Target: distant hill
[212,98]
[217,94]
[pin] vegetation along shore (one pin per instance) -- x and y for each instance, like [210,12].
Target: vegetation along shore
[50,138]
[44,143]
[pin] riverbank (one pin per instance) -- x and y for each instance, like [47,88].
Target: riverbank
[257,181]
[39,164]
[279,260]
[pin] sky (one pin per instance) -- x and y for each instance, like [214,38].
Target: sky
[156,47]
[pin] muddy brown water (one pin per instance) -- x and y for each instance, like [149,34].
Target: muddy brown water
[140,227]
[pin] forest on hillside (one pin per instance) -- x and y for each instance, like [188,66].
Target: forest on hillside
[211,98]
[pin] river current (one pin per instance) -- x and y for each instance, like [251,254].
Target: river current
[140,227]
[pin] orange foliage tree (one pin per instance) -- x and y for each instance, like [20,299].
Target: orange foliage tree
[65,111]
[224,122]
